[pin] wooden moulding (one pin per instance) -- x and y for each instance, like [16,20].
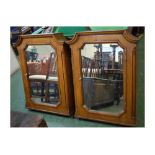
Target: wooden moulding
[57,41]
[128,42]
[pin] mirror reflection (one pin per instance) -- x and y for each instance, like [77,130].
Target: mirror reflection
[102,70]
[42,73]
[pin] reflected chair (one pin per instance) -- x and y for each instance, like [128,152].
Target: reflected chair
[43,79]
[52,92]
[37,77]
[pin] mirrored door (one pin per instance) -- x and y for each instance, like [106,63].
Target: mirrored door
[41,63]
[102,71]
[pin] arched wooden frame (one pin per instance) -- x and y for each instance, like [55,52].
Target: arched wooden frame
[128,43]
[56,41]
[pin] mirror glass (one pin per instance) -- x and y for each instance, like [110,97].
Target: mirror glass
[42,74]
[102,71]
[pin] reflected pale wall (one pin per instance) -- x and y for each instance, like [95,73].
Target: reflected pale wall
[88,50]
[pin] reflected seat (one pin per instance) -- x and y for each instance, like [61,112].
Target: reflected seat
[37,77]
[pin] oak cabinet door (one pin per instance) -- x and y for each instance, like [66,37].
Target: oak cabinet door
[46,72]
[104,73]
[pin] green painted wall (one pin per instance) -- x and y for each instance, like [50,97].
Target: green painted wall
[70,30]
[106,28]
[140,82]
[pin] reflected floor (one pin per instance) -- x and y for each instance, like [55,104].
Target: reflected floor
[38,101]
[114,108]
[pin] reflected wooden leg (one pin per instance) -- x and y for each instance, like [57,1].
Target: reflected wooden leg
[42,90]
[46,92]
